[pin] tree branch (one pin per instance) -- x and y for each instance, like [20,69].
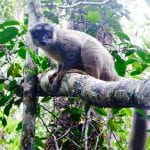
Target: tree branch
[123,93]
[76,4]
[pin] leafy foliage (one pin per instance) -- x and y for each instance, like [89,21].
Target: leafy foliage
[131,56]
[93,16]
[68,121]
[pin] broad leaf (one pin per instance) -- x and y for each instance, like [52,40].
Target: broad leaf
[131,61]
[120,67]
[45,63]
[34,57]
[12,85]
[9,23]
[8,107]
[4,121]
[1,87]
[139,70]
[46,99]
[101,111]
[129,52]
[22,53]
[19,126]
[93,16]
[14,70]
[122,36]
[8,34]
[113,125]
[4,99]
[144,55]
[2,53]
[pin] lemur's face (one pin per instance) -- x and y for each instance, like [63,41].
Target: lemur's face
[42,34]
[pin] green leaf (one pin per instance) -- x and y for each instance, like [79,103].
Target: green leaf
[120,67]
[58,1]
[9,23]
[113,125]
[75,113]
[148,130]
[115,110]
[119,64]
[8,107]
[2,53]
[25,21]
[144,55]
[141,112]
[139,70]
[12,85]
[93,16]
[124,112]
[8,34]
[46,99]
[1,87]
[101,111]
[39,143]
[14,70]
[19,126]
[2,80]
[11,45]
[45,63]
[34,57]
[4,121]
[131,61]
[4,99]
[21,44]
[122,36]
[3,142]
[22,52]
[129,52]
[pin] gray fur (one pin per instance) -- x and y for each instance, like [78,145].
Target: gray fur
[77,50]
[95,59]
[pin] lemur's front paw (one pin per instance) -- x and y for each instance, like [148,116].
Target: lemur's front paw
[55,81]
[56,84]
[52,77]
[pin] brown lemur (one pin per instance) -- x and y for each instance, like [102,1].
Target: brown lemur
[82,53]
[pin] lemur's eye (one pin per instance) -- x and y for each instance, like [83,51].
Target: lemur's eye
[49,35]
[36,34]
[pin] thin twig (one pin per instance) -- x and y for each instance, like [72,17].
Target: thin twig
[44,124]
[115,138]
[97,140]
[76,4]
[73,142]
[64,134]
[86,128]
[48,111]
[56,144]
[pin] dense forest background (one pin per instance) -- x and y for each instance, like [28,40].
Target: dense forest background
[61,123]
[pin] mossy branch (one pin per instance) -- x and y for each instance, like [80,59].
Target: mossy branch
[122,93]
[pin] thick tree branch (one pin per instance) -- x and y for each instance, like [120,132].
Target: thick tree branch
[123,93]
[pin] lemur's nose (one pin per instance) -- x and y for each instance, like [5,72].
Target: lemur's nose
[43,43]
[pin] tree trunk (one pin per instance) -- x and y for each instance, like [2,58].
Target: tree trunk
[30,84]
